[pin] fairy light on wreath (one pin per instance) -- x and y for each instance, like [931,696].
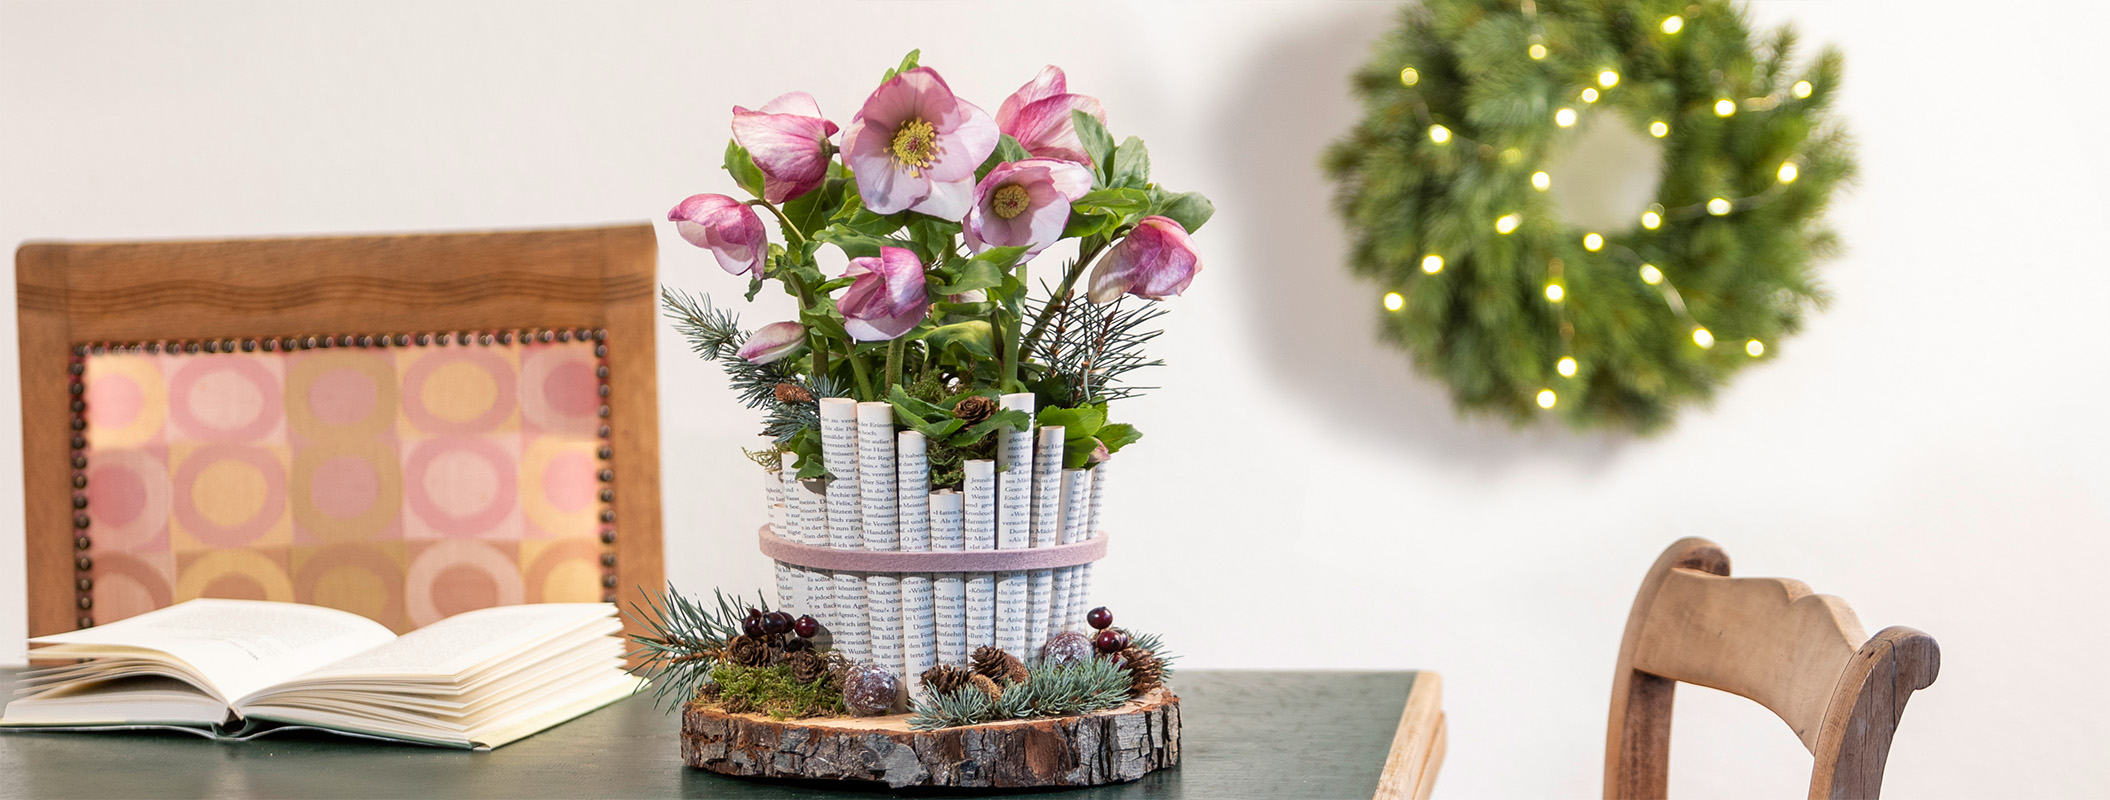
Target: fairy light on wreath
[1526,315]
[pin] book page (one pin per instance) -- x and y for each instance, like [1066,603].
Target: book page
[237,646]
[453,647]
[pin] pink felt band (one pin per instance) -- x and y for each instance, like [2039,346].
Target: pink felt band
[810,557]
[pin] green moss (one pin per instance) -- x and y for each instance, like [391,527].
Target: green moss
[772,691]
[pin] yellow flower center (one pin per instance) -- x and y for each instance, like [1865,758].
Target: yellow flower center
[1010,201]
[915,144]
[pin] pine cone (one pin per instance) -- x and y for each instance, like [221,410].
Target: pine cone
[807,666]
[987,686]
[946,677]
[975,409]
[748,652]
[998,665]
[793,393]
[1145,670]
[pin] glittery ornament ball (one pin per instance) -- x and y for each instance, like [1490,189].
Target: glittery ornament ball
[869,690]
[1066,648]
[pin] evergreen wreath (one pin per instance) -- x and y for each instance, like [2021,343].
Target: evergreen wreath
[1442,189]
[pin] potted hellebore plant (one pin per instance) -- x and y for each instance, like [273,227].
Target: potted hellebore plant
[931,397]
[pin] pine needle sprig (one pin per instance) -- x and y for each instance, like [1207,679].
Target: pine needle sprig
[683,640]
[1093,347]
[1049,690]
[715,335]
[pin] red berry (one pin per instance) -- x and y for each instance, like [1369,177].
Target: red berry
[751,627]
[754,613]
[1110,641]
[1099,617]
[776,622]
[806,626]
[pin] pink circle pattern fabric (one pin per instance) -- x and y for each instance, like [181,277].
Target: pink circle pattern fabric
[405,484]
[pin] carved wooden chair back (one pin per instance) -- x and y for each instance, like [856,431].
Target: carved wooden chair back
[404,426]
[1801,655]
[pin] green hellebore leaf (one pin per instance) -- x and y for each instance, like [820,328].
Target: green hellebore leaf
[1131,164]
[973,336]
[1117,202]
[853,243]
[1078,452]
[908,62]
[811,211]
[743,168]
[1097,143]
[1077,423]
[1007,150]
[856,218]
[1189,209]
[824,319]
[1119,435]
[946,309]
[967,276]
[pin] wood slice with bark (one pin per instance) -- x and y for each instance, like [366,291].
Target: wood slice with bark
[1112,746]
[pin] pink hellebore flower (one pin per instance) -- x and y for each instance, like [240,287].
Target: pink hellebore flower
[886,298]
[726,227]
[1155,261]
[773,342]
[1038,116]
[1025,204]
[788,140]
[915,146]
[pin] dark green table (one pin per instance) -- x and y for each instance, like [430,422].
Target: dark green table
[1246,734]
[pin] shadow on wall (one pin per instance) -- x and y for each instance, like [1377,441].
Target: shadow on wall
[1314,323]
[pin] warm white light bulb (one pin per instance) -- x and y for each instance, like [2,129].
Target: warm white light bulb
[1788,172]
[1651,220]
[1554,292]
[1566,367]
[1650,275]
[1592,242]
[1589,95]
[1541,181]
[1718,206]
[1538,52]
[1608,79]
[1432,263]
[1659,129]
[1673,24]
[1507,223]
[1439,134]
[1701,337]
[1724,107]
[1755,347]
[1511,155]
[1564,117]
[1547,398]
[1409,76]
[1394,302]
[1802,88]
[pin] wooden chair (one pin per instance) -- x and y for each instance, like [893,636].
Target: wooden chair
[1801,655]
[581,301]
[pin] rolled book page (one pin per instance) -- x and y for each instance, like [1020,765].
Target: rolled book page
[787,525]
[1076,515]
[813,530]
[1047,532]
[1014,524]
[1081,586]
[918,603]
[980,520]
[875,484]
[948,531]
[853,635]
[787,575]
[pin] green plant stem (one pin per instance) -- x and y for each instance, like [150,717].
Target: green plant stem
[792,231]
[864,374]
[1008,375]
[1061,297]
[893,363]
[813,340]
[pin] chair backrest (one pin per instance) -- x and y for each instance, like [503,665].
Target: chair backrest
[1801,655]
[403,426]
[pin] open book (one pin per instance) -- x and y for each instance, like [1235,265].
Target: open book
[238,669]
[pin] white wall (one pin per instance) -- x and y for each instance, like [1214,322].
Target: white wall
[1931,448]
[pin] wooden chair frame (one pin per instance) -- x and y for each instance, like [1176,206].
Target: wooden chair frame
[73,298]
[1801,655]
